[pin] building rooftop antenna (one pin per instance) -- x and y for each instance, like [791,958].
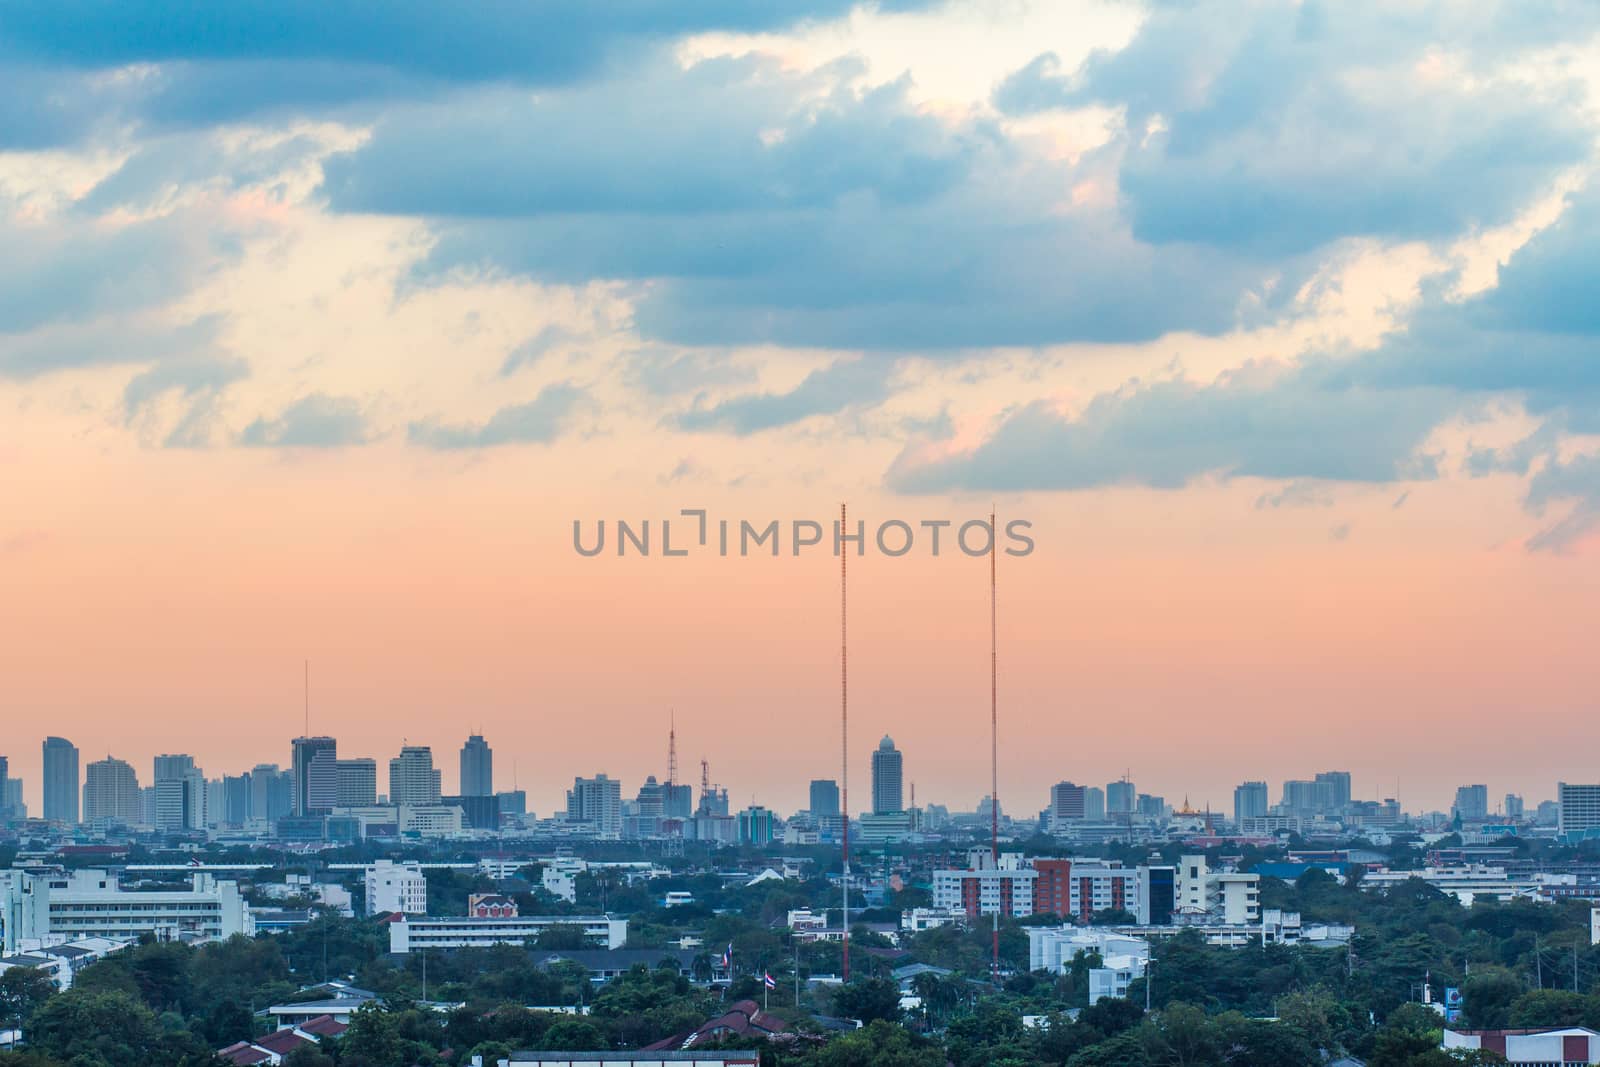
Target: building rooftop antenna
[672,748]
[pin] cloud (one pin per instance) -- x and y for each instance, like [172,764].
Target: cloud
[1575,482]
[1287,127]
[845,384]
[765,206]
[106,342]
[535,348]
[539,421]
[313,421]
[253,57]
[1257,422]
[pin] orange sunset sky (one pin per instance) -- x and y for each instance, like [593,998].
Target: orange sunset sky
[1280,332]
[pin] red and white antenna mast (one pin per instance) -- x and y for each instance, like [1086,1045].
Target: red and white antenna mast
[672,749]
[844,736]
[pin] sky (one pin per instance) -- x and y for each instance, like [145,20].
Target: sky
[321,326]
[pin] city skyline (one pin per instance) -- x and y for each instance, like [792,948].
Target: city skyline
[550,796]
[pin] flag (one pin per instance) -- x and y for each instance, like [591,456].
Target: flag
[727,957]
[766,980]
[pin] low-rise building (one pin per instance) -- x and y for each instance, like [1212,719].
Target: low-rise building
[396,887]
[463,931]
[53,906]
[1565,1046]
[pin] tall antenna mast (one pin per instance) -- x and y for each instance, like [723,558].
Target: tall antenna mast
[672,750]
[994,732]
[844,736]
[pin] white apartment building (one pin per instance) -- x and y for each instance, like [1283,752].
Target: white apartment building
[989,891]
[1202,895]
[462,931]
[1580,808]
[916,920]
[48,907]
[396,887]
[1466,882]
[1123,958]
[431,820]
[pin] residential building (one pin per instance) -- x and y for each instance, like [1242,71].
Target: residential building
[987,889]
[466,932]
[316,776]
[1121,797]
[111,792]
[1094,804]
[1579,809]
[395,887]
[1078,889]
[513,801]
[1514,809]
[180,794]
[271,792]
[477,768]
[1123,958]
[355,782]
[60,781]
[598,801]
[1066,804]
[413,780]
[1249,801]
[888,778]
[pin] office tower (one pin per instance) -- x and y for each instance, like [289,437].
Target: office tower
[1579,808]
[5,779]
[1300,797]
[652,799]
[1472,803]
[1120,797]
[1515,811]
[111,791]
[824,798]
[596,800]
[755,825]
[1094,803]
[888,778]
[477,768]
[513,801]
[12,806]
[678,798]
[60,780]
[1066,803]
[180,794]
[1150,806]
[1333,792]
[1249,801]
[234,809]
[316,775]
[412,778]
[271,792]
[356,783]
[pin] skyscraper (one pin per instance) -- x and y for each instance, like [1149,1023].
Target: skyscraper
[316,775]
[111,791]
[1094,803]
[596,800]
[477,768]
[1121,796]
[357,783]
[1249,801]
[60,780]
[1472,803]
[1334,792]
[5,778]
[888,778]
[412,777]
[271,792]
[824,798]
[180,793]
[1066,803]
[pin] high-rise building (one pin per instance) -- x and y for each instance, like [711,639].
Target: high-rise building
[1066,803]
[5,778]
[357,783]
[755,825]
[678,799]
[888,778]
[1300,798]
[111,792]
[1515,811]
[413,780]
[180,794]
[1580,808]
[597,801]
[60,780]
[316,775]
[824,798]
[1094,803]
[477,768]
[1249,801]
[235,807]
[513,801]
[271,792]
[1334,792]
[1121,797]
[1472,803]
[12,805]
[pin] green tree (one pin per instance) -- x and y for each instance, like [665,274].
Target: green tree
[1487,998]
[22,991]
[880,1044]
[868,999]
[575,1035]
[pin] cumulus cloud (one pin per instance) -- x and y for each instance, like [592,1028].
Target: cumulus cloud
[845,384]
[313,421]
[539,421]
[1287,126]
[1258,422]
